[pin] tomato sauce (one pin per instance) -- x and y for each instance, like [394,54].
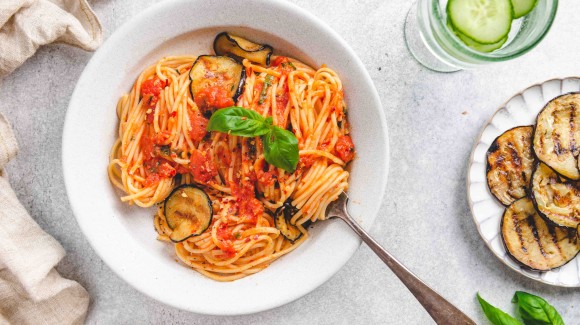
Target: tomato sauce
[225,238]
[155,151]
[281,103]
[198,126]
[263,176]
[157,169]
[249,208]
[306,161]
[202,166]
[150,90]
[345,148]
[211,98]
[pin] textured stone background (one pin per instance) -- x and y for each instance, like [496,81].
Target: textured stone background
[424,221]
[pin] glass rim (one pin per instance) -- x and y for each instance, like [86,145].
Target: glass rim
[456,44]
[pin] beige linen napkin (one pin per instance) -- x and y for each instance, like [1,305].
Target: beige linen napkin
[31,290]
[27,24]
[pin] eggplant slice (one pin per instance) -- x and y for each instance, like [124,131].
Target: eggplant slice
[188,211]
[532,242]
[510,163]
[240,49]
[217,71]
[282,220]
[556,200]
[557,135]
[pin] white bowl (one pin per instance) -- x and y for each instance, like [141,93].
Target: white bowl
[124,237]
[519,110]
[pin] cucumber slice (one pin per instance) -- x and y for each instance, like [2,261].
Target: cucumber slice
[484,21]
[486,48]
[523,7]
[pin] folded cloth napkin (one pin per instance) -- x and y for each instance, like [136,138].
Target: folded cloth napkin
[27,24]
[31,290]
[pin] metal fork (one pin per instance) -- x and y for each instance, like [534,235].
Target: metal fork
[441,310]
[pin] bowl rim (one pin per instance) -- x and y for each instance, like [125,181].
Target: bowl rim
[118,35]
[468,183]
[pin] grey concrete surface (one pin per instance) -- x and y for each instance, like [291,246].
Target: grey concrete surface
[425,221]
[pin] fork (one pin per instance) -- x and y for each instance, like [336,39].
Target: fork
[441,310]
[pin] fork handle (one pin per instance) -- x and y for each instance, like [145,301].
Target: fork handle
[441,310]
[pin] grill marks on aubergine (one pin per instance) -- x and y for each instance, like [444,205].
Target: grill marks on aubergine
[533,242]
[557,137]
[510,164]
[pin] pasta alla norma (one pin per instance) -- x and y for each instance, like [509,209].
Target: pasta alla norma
[238,151]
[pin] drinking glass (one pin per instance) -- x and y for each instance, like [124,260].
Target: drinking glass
[435,46]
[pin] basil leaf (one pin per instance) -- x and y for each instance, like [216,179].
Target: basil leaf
[238,121]
[280,146]
[535,310]
[281,149]
[495,315]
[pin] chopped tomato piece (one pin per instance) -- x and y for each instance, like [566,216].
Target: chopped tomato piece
[180,169]
[225,238]
[198,126]
[211,98]
[279,60]
[281,103]
[151,179]
[150,90]
[284,65]
[147,145]
[151,142]
[202,166]
[157,169]
[249,208]
[150,115]
[165,170]
[345,148]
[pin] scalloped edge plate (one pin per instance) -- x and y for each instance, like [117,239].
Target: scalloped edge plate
[519,110]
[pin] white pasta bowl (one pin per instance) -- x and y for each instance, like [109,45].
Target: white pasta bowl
[521,109]
[124,237]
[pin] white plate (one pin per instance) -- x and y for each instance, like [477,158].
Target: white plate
[124,237]
[521,109]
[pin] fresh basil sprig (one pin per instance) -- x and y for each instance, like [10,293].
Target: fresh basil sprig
[239,121]
[495,315]
[280,146]
[535,310]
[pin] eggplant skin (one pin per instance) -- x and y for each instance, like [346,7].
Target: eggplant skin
[240,48]
[178,208]
[556,200]
[282,218]
[557,135]
[211,65]
[510,163]
[532,242]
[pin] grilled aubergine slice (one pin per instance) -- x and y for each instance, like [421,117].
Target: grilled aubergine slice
[188,212]
[240,49]
[557,135]
[217,71]
[533,242]
[555,199]
[282,220]
[510,163]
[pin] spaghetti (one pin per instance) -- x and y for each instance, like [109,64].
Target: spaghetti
[163,143]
